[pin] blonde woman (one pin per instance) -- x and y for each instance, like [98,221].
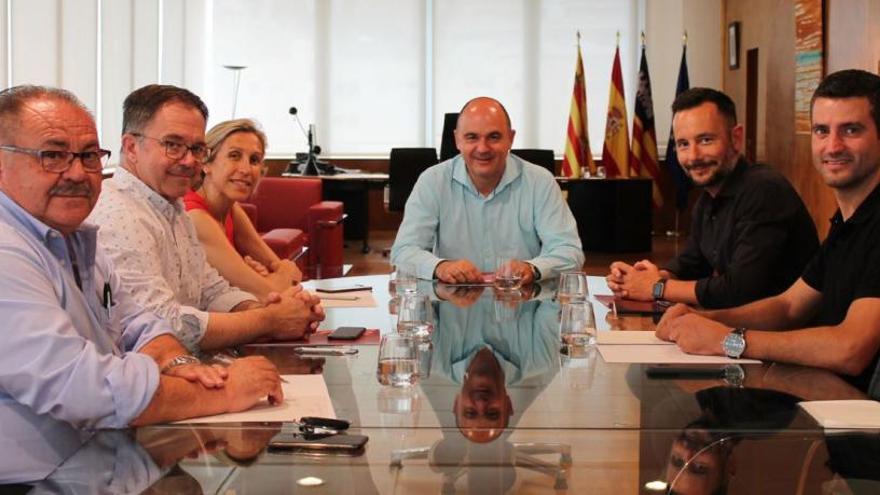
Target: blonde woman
[231,171]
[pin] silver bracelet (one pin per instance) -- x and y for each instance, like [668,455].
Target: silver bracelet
[179,361]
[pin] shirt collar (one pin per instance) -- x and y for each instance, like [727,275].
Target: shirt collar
[128,182]
[864,212]
[512,170]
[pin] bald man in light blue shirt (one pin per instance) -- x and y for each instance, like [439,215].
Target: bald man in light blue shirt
[467,211]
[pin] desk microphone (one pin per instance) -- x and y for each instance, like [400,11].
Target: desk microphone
[311,167]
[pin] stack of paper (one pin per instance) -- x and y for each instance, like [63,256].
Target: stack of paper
[847,414]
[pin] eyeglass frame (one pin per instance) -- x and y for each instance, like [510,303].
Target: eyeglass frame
[103,157]
[167,143]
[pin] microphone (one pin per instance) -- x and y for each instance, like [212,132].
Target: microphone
[293,111]
[311,167]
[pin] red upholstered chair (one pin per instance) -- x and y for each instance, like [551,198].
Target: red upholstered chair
[290,214]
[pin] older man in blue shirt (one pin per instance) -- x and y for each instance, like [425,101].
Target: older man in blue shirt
[80,351]
[467,211]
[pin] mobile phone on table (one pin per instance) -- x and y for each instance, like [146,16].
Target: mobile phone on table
[338,444]
[346,333]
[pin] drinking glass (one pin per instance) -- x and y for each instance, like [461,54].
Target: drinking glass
[572,287]
[402,280]
[577,326]
[506,276]
[398,361]
[415,316]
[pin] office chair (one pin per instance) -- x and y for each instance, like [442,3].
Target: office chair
[544,158]
[447,141]
[404,167]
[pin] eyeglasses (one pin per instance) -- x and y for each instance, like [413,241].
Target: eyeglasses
[59,161]
[177,150]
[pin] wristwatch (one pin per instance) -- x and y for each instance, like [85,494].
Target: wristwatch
[180,361]
[734,343]
[658,289]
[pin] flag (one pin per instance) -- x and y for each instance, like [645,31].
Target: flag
[643,159]
[679,178]
[577,140]
[615,152]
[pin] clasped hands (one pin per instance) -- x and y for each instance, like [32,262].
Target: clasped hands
[633,281]
[464,272]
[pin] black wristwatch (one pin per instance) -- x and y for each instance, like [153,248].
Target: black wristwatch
[658,289]
[536,274]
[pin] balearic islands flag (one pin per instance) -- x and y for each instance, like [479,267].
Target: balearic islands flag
[643,159]
[615,152]
[577,140]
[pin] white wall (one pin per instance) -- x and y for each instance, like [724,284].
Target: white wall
[667,20]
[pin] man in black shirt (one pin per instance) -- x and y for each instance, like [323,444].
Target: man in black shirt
[751,234]
[838,296]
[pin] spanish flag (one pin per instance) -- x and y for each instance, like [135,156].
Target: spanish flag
[643,160]
[577,140]
[615,153]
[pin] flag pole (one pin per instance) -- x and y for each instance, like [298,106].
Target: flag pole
[676,232]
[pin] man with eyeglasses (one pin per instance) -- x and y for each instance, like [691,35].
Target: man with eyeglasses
[81,351]
[147,233]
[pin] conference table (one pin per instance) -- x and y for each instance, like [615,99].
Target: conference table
[525,418]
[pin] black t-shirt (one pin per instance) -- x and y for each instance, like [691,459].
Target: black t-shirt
[751,241]
[847,267]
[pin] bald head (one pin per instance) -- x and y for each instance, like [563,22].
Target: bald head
[484,104]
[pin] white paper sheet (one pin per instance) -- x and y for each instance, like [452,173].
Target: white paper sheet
[359,299]
[661,354]
[848,414]
[629,337]
[304,395]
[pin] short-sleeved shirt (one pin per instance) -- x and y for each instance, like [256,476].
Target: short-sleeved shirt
[195,201]
[847,267]
[751,241]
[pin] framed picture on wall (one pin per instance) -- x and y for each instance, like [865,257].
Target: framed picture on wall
[733,45]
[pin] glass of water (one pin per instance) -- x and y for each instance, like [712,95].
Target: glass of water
[572,287]
[506,276]
[577,325]
[415,316]
[398,361]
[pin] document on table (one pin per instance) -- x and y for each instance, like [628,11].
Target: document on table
[357,299]
[844,414]
[661,354]
[304,395]
[629,337]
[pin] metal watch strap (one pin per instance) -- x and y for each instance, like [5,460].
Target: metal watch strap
[180,361]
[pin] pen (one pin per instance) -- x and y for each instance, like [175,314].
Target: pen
[108,296]
[326,351]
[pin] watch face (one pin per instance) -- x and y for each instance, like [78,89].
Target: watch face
[734,344]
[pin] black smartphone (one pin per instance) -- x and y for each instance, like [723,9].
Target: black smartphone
[339,290]
[338,444]
[346,333]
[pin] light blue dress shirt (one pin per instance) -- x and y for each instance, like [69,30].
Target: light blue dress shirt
[525,218]
[68,354]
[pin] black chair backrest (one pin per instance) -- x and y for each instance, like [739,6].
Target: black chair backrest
[543,158]
[447,142]
[404,168]
[874,386]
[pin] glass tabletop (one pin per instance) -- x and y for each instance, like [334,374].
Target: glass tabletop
[501,407]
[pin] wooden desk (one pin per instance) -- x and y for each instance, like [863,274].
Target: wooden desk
[613,215]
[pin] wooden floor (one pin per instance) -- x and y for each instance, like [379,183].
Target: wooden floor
[375,262]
